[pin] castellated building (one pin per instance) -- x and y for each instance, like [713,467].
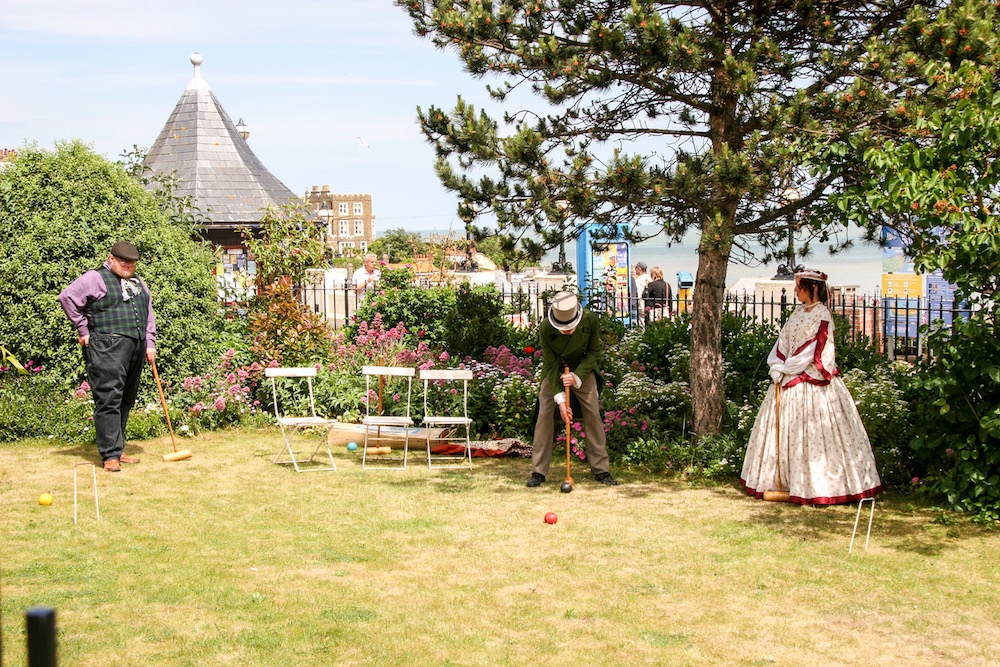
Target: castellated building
[350,224]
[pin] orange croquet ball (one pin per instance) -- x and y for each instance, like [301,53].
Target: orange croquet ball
[45,499]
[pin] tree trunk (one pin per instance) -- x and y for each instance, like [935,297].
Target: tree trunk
[707,387]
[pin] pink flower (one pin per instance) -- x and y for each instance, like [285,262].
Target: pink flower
[915,480]
[577,427]
[444,357]
[198,408]
[220,404]
[274,363]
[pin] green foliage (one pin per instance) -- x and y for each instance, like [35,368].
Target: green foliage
[885,412]
[423,312]
[60,213]
[6,357]
[957,416]
[287,242]
[476,321]
[936,182]
[399,244]
[43,405]
[285,330]
[745,346]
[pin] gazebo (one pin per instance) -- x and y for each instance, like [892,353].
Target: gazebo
[216,168]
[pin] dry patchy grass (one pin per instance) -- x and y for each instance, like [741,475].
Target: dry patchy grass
[226,559]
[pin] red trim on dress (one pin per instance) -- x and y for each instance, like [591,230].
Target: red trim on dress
[819,500]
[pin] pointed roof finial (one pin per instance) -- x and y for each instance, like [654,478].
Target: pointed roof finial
[197,83]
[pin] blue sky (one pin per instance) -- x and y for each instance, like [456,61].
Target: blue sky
[308,78]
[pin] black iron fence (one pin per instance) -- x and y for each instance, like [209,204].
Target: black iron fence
[893,325]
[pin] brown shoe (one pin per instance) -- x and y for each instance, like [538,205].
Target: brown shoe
[125,458]
[111,465]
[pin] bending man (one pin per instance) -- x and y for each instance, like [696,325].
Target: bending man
[570,336]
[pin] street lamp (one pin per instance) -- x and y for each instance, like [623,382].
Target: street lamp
[242,128]
[786,271]
[560,265]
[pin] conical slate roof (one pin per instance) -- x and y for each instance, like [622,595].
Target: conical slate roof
[215,166]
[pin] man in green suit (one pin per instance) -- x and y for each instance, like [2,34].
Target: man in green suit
[570,337]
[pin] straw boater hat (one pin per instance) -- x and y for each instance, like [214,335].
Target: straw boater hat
[565,311]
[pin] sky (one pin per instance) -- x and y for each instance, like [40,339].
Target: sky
[329,89]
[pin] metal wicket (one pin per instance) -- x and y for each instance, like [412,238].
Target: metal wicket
[93,470]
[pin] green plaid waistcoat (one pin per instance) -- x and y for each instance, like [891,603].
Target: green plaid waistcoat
[111,314]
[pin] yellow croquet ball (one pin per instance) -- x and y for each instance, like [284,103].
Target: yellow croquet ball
[45,499]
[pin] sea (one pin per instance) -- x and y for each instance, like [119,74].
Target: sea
[860,266]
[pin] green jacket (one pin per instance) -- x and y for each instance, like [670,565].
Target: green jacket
[581,350]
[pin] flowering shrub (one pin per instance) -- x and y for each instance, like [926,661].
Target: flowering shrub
[514,401]
[224,396]
[885,415]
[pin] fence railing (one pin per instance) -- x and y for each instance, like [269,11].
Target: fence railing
[891,324]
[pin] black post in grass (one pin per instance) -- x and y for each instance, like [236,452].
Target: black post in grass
[41,623]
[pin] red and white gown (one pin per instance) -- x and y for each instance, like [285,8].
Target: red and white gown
[825,454]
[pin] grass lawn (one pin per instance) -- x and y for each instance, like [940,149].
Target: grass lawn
[227,559]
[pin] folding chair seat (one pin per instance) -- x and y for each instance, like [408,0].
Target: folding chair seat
[290,424]
[442,381]
[386,377]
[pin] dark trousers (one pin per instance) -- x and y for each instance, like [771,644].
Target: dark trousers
[114,366]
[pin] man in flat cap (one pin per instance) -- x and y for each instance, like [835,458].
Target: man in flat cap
[570,337]
[112,312]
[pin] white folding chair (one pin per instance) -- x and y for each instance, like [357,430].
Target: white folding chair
[453,423]
[289,425]
[374,419]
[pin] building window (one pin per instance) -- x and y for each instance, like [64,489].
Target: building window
[345,227]
[359,208]
[359,227]
[343,208]
[322,206]
[364,246]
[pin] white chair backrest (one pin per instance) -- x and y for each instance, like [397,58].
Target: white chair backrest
[307,372]
[449,375]
[383,371]
[290,372]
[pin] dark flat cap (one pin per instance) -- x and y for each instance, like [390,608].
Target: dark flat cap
[640,265]
[125,250]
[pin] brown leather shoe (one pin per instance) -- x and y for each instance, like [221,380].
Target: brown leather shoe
[111,465]
[125,458]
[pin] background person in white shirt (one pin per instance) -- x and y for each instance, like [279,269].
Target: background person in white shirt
[641,280]
[366,276]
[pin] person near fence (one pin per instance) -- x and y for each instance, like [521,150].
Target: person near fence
[656,296]
[367,276]
[112,312]
[824,453]
[570,337]
[640,278]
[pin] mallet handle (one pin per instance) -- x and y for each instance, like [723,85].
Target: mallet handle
[568,424]
[163,402]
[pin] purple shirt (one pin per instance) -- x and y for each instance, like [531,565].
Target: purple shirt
[90,287]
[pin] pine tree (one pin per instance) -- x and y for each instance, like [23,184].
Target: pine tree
[741,120]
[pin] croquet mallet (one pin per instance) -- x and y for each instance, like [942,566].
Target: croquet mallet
[779,495]
[176,455]
[568,424]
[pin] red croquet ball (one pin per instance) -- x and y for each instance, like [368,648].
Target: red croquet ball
[551,517]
